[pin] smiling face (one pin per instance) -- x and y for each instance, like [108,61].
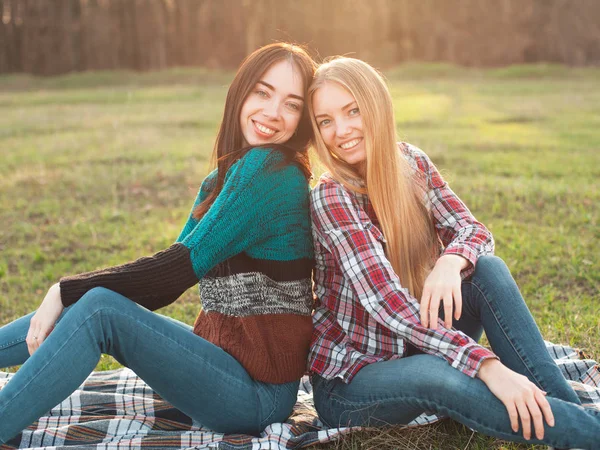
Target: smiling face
[339,122]
[272,110]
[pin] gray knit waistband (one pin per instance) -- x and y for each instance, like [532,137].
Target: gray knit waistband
[255,293]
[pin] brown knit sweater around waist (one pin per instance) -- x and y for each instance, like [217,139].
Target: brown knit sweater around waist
[272,348]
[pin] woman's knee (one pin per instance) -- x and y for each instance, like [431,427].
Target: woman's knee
[105,314]
[100,298]
[493,269]
[490,262]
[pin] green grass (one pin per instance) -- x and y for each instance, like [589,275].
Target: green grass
[101,168]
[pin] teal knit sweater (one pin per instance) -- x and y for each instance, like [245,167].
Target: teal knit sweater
[260,211]
[252,254]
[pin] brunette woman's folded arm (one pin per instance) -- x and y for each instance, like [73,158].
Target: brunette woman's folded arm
[238,218]
[460,232]
[361,258]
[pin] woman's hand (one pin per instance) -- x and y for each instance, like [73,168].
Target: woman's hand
[443,284]
[522,399]
[42,322]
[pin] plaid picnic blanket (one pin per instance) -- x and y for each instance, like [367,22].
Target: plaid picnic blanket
[117,410]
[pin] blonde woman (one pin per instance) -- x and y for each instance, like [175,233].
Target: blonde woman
[406,282]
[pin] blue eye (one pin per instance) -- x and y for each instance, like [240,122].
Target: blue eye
[261,93]
[294,106]
[354,112]
[324,122]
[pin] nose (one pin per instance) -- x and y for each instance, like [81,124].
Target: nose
[271,109]
[344,128]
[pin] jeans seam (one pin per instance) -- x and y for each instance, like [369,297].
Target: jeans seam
[15,342]
[503,328]
[326,386]
[276,404]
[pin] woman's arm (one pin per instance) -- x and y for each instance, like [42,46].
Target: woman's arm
[52,306]
[460,232]
[42,322]
[464,239]
[240,217]
[362,260]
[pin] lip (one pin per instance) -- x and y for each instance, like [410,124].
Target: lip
[359,138]
[261,133]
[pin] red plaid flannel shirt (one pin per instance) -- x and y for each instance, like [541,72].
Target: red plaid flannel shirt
[363,314]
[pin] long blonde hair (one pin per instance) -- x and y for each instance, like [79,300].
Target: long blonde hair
[396,193]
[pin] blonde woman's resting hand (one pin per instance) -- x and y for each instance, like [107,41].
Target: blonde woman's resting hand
[42,322]
[523,400]
[443,284]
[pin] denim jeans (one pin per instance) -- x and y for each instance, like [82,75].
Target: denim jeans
[397,391]
[194,375]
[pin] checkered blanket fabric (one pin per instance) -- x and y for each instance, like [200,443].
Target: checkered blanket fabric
[117,410]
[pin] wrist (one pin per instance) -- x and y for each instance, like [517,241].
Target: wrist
[487,367]
[54,292]
[453,261]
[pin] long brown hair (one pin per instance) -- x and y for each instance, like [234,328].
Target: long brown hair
[229,145]
[394,190]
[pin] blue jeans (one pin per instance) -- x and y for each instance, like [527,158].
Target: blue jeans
[195,376]
[396,392]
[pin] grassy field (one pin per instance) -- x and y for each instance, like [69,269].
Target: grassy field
[101,168]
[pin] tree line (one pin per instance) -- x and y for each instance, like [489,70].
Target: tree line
[51,37]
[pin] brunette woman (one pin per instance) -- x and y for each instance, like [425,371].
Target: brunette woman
[247,242]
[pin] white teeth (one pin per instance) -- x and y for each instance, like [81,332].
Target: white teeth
[350,144]
[264,129]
